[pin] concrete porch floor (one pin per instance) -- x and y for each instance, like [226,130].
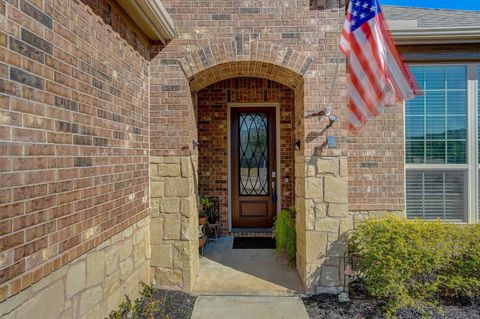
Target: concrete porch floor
[227,271]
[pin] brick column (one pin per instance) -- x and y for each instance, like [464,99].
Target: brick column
[174,223]
[322,221]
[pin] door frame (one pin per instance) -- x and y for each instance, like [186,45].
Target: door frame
[229,155]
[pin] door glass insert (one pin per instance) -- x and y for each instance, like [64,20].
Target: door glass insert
[253,153]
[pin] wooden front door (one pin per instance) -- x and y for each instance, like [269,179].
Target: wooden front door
[253,156]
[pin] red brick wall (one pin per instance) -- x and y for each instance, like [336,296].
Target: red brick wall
[376,176]
[73,136]
[309,27]
[212,133]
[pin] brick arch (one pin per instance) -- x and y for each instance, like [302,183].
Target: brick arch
[244,57]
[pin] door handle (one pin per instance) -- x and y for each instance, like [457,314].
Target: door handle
[274,193]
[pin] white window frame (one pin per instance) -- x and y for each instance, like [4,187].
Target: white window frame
[472,166]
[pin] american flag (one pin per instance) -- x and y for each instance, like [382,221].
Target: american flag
[378,76]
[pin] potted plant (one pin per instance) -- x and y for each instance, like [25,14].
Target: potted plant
[204,202]
[202,210]
[285,234]
[211,214]
[202,218]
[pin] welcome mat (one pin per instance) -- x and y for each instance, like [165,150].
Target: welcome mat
[253,243]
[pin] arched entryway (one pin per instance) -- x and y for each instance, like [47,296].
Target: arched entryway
[246,160]
[317,183]
[234,100]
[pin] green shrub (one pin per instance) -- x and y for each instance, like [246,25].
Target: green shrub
[414,263]
[285,235]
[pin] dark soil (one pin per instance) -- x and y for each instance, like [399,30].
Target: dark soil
[326,306]
[158,304]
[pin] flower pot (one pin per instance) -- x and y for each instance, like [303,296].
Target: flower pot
[202,220]
[201,242]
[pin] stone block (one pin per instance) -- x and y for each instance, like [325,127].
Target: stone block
[139,253]
[186,229]
[90,298]
[311,170]
[171,227]
[111,261]
[47,303]
[169,205]
[153,169]
[126,249]
[46,281]
[168,170]
[337,210]
[112,301]
[346,224]
[315,246]
[309,215]
[139,236]
[314,187]
[300,169]
[131,285]
[156,159]
[76,276]
[127,232]
[177,187]
[169,278]
[320,210]
[327,166]
[182,255]
[343,166]
[327,225]
[157,189]
[336,190]
[171,159]
[299,187]
[112,283]
[95,268]
[126,268]
[156,231]
[188,207]
[162,256]
[330,276]
[337,248]
[186,166]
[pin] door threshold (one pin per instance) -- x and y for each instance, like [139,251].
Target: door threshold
[252,230]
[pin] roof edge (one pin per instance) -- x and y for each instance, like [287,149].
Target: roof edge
[437,35]
[151,17]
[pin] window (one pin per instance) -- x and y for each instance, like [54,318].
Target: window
[439,159]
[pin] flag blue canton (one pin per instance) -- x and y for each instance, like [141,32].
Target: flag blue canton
[362,11]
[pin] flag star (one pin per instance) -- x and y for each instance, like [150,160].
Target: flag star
[354,22]
[354,13]
[357,3]
[362,16]
[365,5]
[373,8]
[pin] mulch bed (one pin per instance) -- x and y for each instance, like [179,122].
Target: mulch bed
[326,306]
[158,304]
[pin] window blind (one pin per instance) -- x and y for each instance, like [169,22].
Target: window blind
[433,194]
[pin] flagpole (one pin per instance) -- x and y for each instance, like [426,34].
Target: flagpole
[334,82]
[327,110]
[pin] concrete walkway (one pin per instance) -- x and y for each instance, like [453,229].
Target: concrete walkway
[227,271]
[246,284]
[252,307]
